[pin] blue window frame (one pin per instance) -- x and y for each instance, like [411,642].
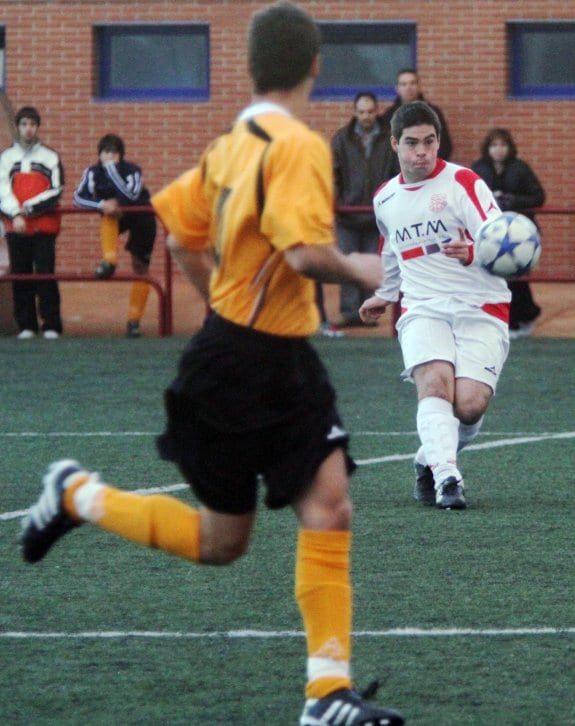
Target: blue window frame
[153,62]
[2,47]
[363,56]
[541,59]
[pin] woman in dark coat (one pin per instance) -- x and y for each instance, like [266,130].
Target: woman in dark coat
[516,188]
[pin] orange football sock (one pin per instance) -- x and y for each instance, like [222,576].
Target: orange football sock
[138,298]
[323,593]
[109,231]
[157,520]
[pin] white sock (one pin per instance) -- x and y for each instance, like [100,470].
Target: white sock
[438,431]
[468,432]
[84,498]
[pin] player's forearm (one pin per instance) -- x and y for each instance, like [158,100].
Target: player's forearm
[327,264]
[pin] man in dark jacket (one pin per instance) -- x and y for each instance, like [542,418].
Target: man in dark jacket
[362,160]
[408,89]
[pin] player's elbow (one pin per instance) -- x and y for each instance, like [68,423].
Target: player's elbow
[300,260]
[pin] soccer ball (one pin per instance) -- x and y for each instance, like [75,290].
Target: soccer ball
[508,246]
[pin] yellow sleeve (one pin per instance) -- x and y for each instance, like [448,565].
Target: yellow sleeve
[184,210]
[299,193]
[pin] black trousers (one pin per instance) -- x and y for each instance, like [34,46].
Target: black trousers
[523,307]
[29,254]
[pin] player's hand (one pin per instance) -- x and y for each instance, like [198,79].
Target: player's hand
[368,270]
[458,250]
[19,224]
[372,308]
[110,208]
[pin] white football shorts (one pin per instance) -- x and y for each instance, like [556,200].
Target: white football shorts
[474,341]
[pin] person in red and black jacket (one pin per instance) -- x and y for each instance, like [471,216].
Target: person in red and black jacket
[31,184]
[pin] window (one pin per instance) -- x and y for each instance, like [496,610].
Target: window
[152,62]
[541,59]
[363,57]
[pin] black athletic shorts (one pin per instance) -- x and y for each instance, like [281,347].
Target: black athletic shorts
[142,234]
[247,407]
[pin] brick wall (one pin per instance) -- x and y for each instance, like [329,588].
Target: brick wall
[461,52]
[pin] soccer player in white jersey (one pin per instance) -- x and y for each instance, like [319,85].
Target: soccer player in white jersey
[453,327]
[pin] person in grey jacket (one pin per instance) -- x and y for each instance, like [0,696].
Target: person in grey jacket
[362,157]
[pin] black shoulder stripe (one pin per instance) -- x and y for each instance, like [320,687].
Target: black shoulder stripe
[264,136]
[260,190]
[258,131]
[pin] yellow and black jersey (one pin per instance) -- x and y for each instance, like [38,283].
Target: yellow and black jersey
[260,189]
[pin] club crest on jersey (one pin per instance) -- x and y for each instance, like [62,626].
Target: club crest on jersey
[438,202]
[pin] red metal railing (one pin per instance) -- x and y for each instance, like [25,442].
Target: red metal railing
[533,277]
[538,210]
[164,291]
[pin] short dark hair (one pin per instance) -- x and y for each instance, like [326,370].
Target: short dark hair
[283,41]
[364,94]
[505,136]
[407,69]
[111,142]
[28,112]
[415,113]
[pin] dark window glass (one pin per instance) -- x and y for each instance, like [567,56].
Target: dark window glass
[363,56]
[542,59]
[153,62]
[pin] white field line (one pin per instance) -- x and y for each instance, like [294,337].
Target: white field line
[71,434]
[120,434]
[530,439]
[285,634]
[515,440]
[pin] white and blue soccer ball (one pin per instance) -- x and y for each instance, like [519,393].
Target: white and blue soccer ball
[508,246]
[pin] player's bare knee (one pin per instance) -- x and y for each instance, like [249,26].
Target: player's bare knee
[469,410]
[469,416]
[334,514]
[222,553]
[342,515]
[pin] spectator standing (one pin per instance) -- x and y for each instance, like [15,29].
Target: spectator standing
[252,228]
[453,328]
[109,186]
[362,158]
[517,188]
[326,328]
[31,184]
[408,89]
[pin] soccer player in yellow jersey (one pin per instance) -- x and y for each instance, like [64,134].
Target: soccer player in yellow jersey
[252,227]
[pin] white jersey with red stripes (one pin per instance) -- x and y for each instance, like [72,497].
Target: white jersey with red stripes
[416,219]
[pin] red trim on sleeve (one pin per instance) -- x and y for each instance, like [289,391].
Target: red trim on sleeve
[467,179]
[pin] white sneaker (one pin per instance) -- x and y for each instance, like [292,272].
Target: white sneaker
[328,330]
[26,334]
[47,520]
[450,494]
[51,335]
